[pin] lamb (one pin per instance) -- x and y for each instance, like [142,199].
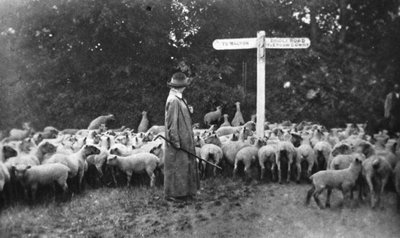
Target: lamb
[238,118]
[226,122]
[213,116]
[376,171]
[344,180]
[76,162]
[142,162]
[33,176]
[144,123]
[96,123]
[248,156]
[285,149]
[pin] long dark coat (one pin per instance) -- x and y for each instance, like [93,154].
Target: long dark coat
[180,169]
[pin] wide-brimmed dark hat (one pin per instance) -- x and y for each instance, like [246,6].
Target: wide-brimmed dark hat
[179,80]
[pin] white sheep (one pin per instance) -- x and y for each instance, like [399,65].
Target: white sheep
[155,130]
[33,176]
[344,180]
[76,162]
[376,172]
[267,154]
[18,134]
[322,151]
[343,161]
[211,153]
[231,148]
[226,122]
[96,123]
[238,118]
[305,153]
[138,163]
[144,123]
[213,116]
[285,149]
[248,156]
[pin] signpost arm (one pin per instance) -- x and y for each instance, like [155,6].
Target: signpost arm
[260,83]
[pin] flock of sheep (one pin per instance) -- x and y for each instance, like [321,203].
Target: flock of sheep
[342,158]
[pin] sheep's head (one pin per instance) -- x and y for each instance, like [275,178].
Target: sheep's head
[364,148]
[91,150]
[111,159]
[20,170]
[9,152]
[157,150]
[341,149]
[26,145]
[115,151]
[47,148]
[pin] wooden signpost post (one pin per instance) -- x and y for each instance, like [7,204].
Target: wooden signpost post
[261,43]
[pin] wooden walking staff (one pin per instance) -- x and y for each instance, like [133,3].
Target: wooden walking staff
[261,43]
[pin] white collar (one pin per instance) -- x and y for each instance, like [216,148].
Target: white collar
[175,92]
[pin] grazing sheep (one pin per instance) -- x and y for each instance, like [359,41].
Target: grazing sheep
[238,118]
[344,180]
[376,172]
[226,122]
[96,123]
[285,149]
[213,116]
[144,123]
[248,156]
[322,151]
[396,182]
[138,163]
[76,162]
[33,176]
[267,154]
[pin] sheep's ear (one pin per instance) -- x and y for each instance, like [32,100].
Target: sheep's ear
[133,147]
[159,146]
[28,167]
[84,140]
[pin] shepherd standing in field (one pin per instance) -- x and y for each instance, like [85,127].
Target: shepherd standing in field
[181,179]
[392,109]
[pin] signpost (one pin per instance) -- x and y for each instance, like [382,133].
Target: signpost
[261,43]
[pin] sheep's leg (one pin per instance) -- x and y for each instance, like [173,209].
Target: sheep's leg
[234,173]
[309,169]
[128,178]
[298,166]
[328,197]
[273,171]
[278,165]
[262,175]
[371,189]
[33,191]
[152,177]
[309,194]
[383,184]
[316,194]
[290,162]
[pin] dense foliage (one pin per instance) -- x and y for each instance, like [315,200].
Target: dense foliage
[64,62]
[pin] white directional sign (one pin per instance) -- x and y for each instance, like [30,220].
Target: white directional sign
[261,44]
[270,43]
[235,44]
[287,43]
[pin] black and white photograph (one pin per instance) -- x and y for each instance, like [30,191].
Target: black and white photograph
[200,118]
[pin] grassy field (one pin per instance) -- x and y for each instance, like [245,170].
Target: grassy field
[224,208]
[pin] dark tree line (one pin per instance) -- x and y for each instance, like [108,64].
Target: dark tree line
[64,62]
